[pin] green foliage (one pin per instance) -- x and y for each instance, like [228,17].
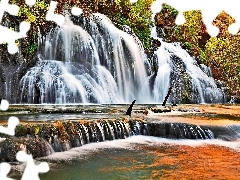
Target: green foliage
[122,19]
[223,58]
[188,45]
[140,20]
[35,15]
[37,130]
[186,97]
[220,53]
[223,55]
[187,34]
[137,16]
[31,48]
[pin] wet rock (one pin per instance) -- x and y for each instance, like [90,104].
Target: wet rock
[228,133]
[145,112]
[179,131]
[161,110]
[182,110]
[38,147]
[188,110]
[234,100]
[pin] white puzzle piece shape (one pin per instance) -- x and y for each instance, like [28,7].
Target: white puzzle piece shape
[210,10]
[10,129]
[51,16]
[7,35]
[4,170]
[32,170]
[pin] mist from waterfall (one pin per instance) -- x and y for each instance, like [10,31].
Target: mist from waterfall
[92,61]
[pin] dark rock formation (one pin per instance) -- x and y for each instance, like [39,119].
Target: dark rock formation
[129,111]
[38,147]
[167,96]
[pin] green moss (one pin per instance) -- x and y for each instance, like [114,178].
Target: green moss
[137,16]
[188,45]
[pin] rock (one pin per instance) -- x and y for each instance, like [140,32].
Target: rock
[234,100]
[38,147]
[129,111]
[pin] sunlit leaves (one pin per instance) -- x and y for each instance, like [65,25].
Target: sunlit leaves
[136,15]
[223,58]
[140,20]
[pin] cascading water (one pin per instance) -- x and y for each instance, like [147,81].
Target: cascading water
[95,62]
[70,134]
[204,88]
[82,67]
[176,68]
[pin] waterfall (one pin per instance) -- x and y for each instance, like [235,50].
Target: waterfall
[64,135]
[175,63]
[92,61]
[176,68]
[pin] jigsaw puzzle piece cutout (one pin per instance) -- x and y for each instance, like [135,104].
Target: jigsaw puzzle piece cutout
[206,7]
[31,170]
[10,129]
[182,6]
[232,9]
[4,170]
[30,2]
[208,17]
[6,7]
[4,105]
[76,11]
[51,16]
[9,36]
[211,9]
[188,5]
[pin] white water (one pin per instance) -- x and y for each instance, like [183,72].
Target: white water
[98,63]
[129,143]
[81,76]
[202,85]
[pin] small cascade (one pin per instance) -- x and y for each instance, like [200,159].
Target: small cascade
[64,135]
[80,142]
[85,133]
[56,144]
[94,131]
[105,130]
[179,131]
[109,131]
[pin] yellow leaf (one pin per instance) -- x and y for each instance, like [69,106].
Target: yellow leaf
[37,130]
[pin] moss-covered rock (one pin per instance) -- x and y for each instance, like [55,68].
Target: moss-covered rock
[38,147]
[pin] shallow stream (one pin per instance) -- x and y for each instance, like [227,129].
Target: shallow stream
[145,157]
